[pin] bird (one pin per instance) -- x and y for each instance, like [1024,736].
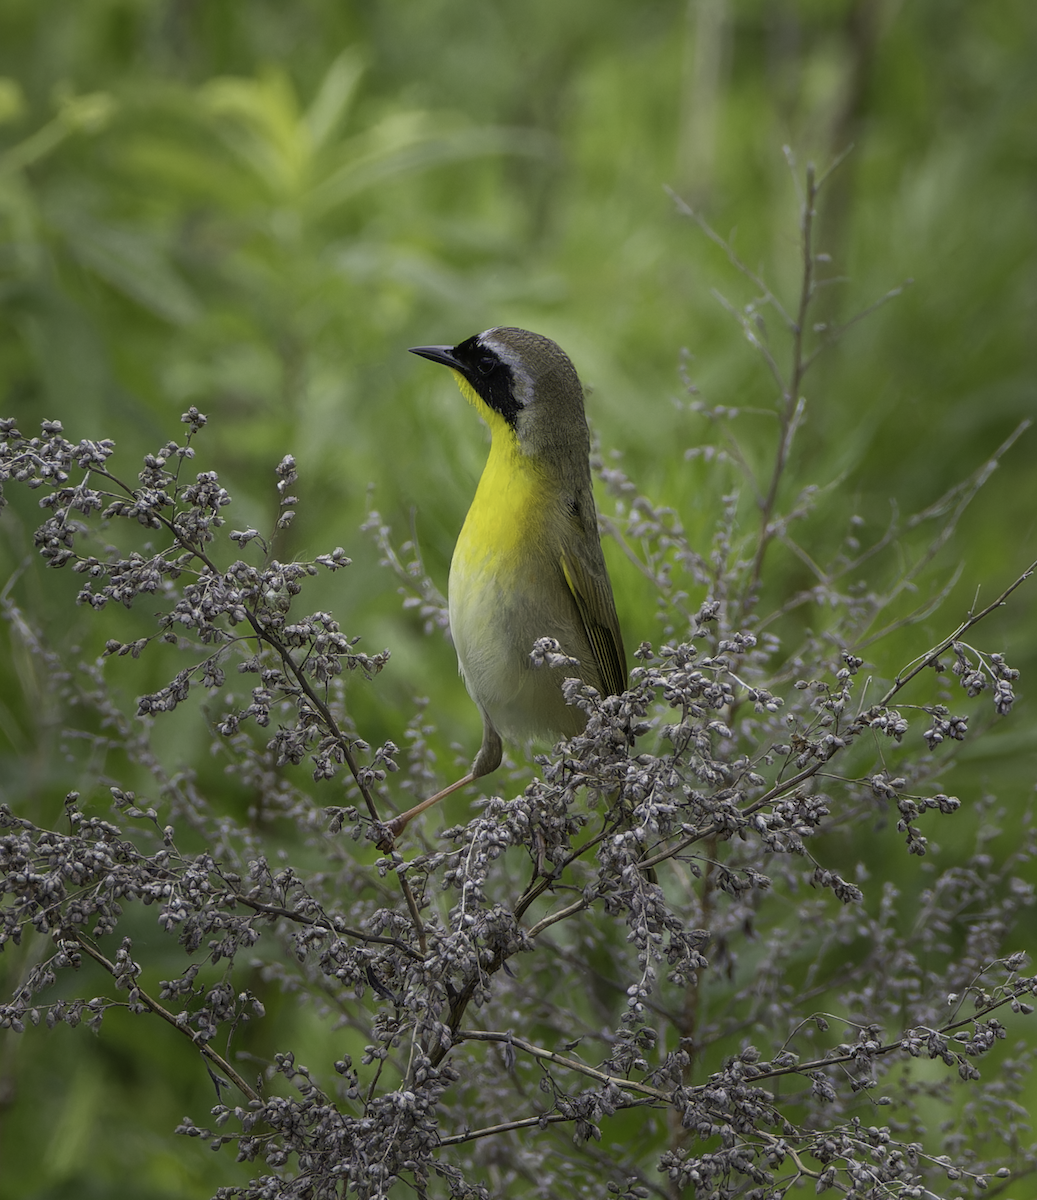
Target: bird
[528,562]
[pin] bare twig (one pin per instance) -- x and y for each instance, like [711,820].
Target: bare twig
[571,1064]
[170,1018]
[931,656]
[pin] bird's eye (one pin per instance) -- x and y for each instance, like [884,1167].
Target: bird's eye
[487,364]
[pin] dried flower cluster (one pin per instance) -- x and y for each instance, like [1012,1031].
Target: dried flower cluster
[639,974]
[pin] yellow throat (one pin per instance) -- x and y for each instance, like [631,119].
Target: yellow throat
[508,505]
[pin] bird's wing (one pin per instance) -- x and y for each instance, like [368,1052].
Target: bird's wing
[597,611]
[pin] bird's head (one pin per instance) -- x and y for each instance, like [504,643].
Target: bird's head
[522,382]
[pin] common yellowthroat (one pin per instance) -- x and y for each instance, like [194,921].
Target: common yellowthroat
[528,561]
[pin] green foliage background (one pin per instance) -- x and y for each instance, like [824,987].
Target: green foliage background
[256,207]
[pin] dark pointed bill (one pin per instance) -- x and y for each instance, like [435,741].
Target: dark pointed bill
[437,354]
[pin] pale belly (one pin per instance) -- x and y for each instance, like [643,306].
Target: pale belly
[495,617]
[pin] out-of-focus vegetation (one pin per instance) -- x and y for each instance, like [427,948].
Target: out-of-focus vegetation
[255,207]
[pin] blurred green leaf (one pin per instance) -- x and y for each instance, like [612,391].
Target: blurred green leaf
[12,100]
[136,264]
[77,114]
[330,107]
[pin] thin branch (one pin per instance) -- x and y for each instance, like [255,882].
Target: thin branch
[751,337]
[832,333]
[967,491]
[619,538]
[921,613]
[415,913]
[670,1098]
[265,635]
[537,887]
[792,404]
[856,726]
[291,914]
[830,170]
[572,1064]
[207,1051]
[472,1135]
[559,915]
[718,827]
[766,294]
[931,656]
